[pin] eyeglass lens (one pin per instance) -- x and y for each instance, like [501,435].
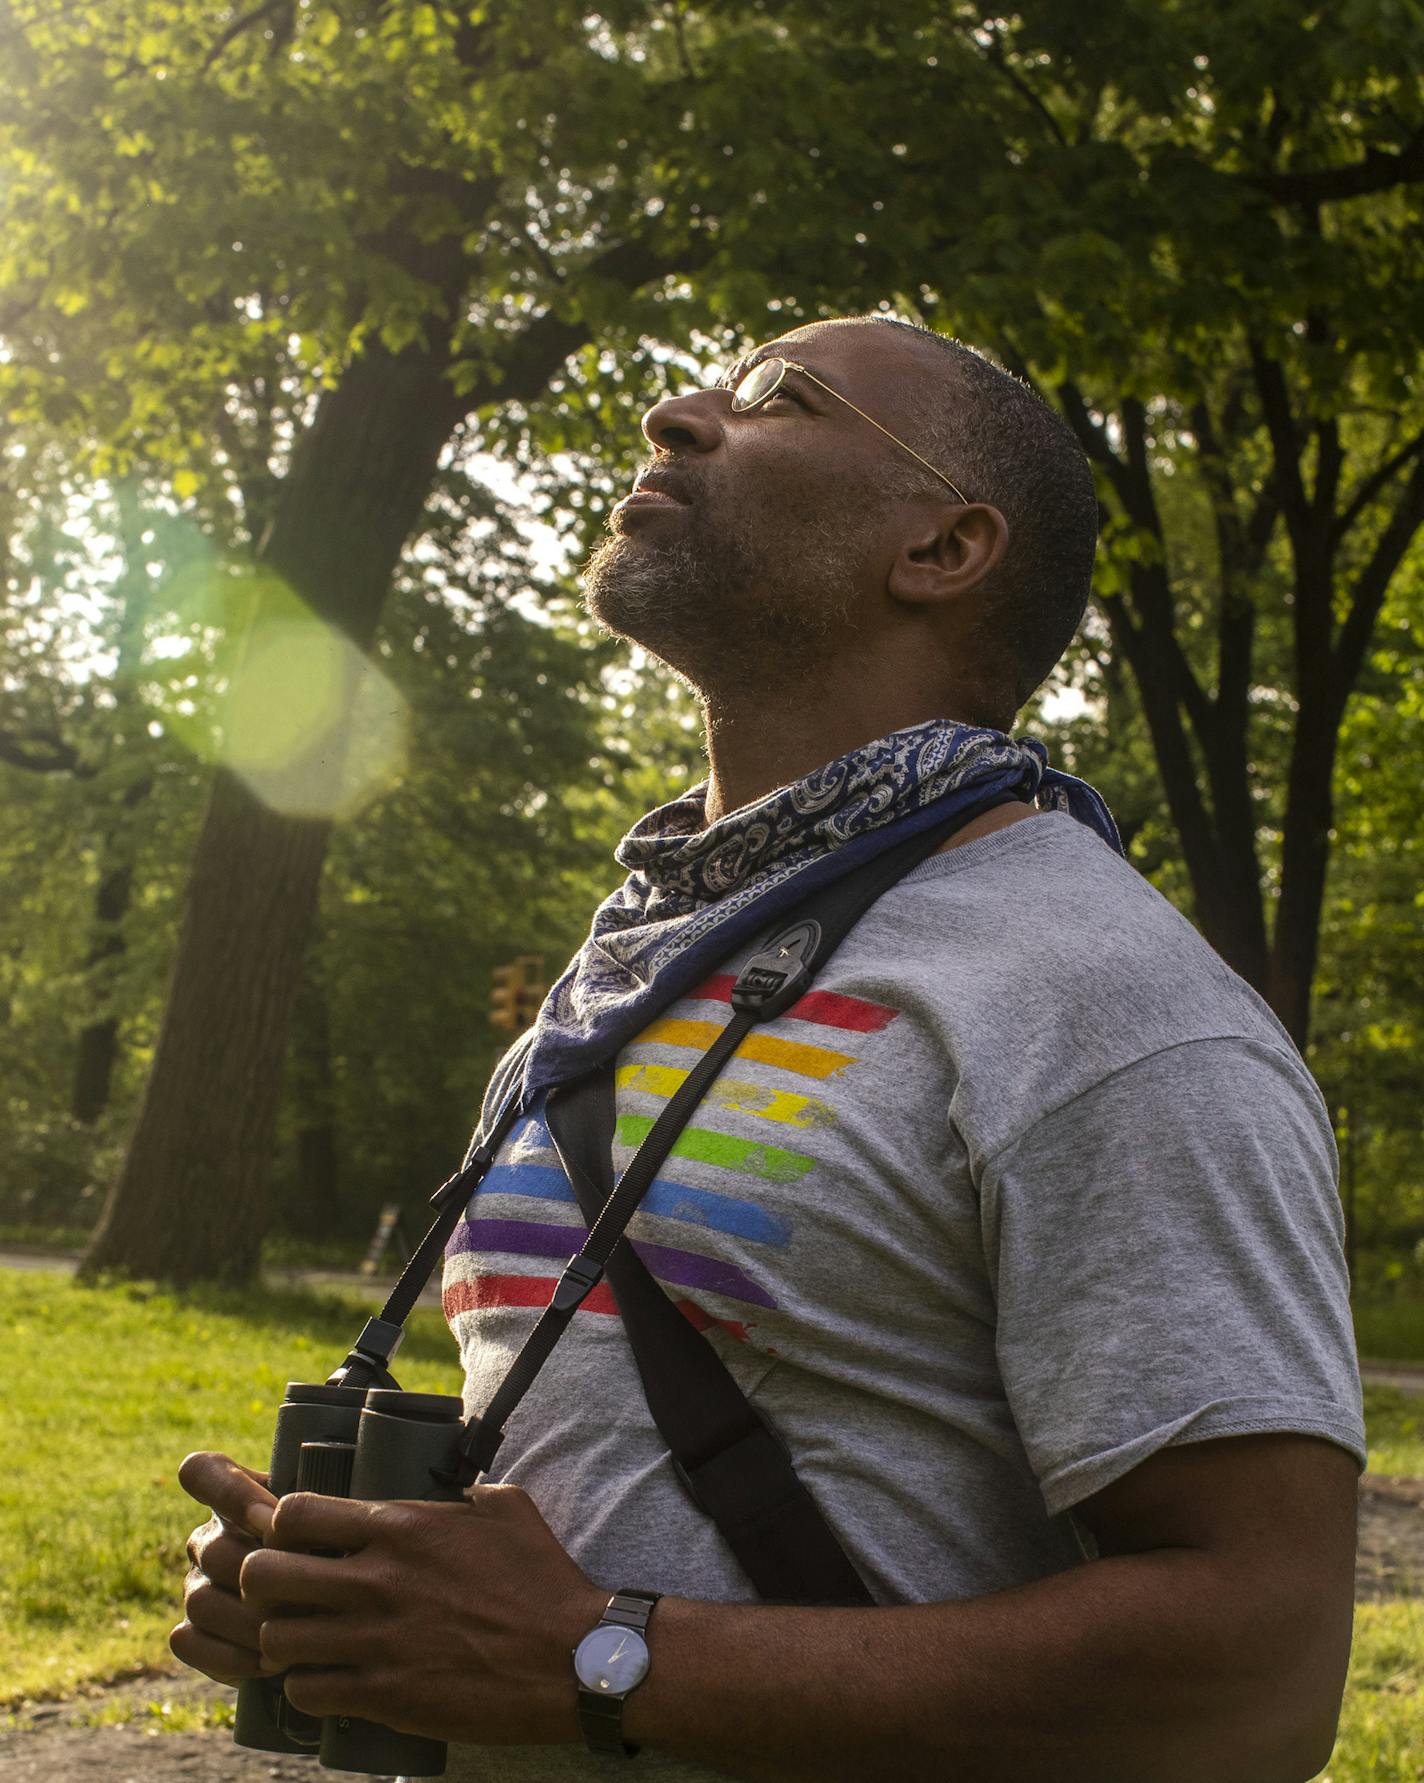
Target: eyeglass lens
[758,383]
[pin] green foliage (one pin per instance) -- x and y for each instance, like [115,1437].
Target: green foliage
[1390,1326]
[1394,1422]
[1140,207]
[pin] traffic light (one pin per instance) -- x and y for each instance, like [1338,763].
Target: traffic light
[505,999]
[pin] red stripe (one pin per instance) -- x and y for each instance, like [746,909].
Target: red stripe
[701,1320]
[516,1290]
[538,1290]
[825,1007]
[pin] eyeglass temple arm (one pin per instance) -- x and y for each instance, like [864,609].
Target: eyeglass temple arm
[885,430]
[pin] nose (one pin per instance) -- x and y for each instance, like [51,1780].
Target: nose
[691,423]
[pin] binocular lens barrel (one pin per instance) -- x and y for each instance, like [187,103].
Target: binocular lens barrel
[404,1441]
[359,1443]
[265,1720]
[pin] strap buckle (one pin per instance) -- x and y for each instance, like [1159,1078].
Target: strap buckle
[581,1275]
[366,1364]
[775,976]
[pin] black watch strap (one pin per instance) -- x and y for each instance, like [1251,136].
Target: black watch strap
[601,1714]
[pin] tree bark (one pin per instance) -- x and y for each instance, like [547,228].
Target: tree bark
[316,1210]
[188,1203]
[98,1046]
[99,1039]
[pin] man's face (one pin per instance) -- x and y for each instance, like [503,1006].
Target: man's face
[759,540]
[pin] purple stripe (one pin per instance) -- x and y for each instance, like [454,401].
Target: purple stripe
[523,1238]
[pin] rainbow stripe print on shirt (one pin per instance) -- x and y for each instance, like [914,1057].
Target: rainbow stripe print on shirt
[525,1212]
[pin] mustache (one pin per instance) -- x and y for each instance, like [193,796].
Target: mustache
[674,479]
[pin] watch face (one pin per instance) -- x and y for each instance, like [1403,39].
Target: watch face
[611,1660]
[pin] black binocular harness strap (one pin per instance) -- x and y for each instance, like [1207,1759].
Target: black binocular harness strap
[729,1459]
[732,1463]
[367,1364]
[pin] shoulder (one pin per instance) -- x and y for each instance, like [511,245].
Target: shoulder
[1046,963]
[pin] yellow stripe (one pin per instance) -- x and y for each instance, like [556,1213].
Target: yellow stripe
[749,1098]
[766,1049]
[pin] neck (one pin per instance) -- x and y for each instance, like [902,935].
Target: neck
[757,742]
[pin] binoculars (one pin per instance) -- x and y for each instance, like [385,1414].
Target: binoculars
[353,1442]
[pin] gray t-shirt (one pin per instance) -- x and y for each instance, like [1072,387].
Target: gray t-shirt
[1028,1186]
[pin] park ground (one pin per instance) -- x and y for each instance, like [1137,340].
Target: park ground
[92,1525]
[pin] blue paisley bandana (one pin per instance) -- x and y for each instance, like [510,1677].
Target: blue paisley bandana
[695,892]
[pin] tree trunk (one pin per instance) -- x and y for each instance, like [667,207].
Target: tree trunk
[189,1200]
[1305,861]
[1226,898]
[98,1041]
[310,1084]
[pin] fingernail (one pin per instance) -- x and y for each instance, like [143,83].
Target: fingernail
[260,1519]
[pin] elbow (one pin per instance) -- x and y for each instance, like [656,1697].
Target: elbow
[1304,1752]
[1287,1734]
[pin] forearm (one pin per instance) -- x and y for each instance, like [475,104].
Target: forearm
[1142,1669]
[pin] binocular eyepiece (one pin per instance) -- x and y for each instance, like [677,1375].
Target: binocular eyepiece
[353,1442]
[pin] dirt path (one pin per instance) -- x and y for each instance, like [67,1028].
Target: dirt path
[1389,1561]
[122,1732]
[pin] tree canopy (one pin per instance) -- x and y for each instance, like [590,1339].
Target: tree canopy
[274,281]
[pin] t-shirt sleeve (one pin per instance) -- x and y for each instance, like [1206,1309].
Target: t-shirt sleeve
[1167,1256]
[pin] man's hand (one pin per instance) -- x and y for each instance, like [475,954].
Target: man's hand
[451,1620]
[219,1633]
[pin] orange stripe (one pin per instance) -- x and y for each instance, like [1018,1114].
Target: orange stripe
[765,1049]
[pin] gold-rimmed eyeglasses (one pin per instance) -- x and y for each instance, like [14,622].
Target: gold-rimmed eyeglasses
[765,378]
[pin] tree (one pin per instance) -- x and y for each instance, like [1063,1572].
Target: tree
[1229,303]
[1197,229]
[199,228]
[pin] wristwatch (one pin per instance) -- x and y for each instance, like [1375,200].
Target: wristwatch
[610,1662]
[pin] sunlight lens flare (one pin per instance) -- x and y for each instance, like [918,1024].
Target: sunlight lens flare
[312,727]
[257,682]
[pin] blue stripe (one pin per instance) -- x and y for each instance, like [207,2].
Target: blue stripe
[669,1200]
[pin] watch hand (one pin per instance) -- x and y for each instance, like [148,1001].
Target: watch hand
[618,1651]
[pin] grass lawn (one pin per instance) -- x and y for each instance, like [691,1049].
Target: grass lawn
[109,1388]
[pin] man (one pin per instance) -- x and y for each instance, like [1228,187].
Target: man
[1020,1226]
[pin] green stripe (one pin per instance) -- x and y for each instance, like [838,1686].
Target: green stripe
[745,1155]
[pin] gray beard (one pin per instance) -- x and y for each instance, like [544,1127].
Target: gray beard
[722,613]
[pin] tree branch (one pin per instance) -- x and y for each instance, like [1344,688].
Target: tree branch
[1329,461]
[1280,425]
[1093,438]
[1376,481]
[993,53]
[524,370]
[1379,171]
[1235,618]
[239,25]
[41,754]
[1371,586]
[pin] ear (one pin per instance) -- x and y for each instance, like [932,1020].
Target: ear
[946,552]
